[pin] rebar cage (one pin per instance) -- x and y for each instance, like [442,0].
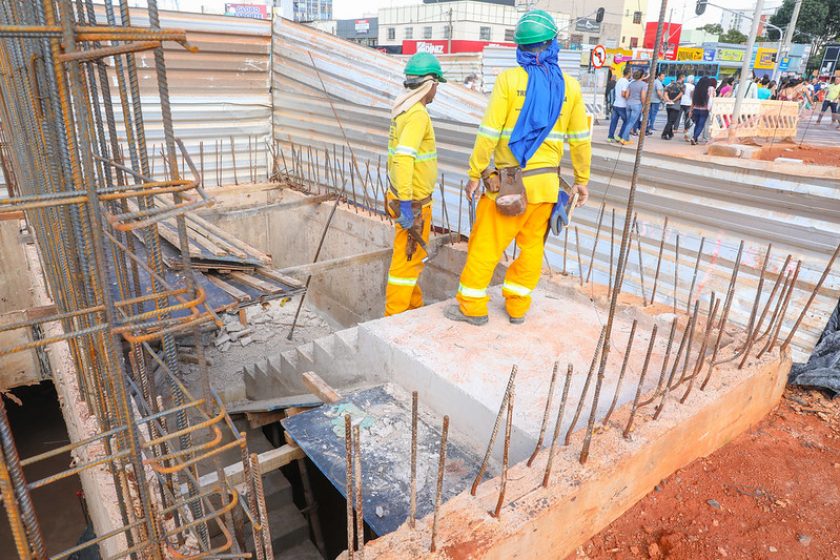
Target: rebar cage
[93,204]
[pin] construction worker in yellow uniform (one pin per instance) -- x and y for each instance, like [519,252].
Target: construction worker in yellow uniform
[412,171]
[534,111]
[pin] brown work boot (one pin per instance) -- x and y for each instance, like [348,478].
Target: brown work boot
[454,313]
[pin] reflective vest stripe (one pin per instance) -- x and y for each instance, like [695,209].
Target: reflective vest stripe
[471,292]
[398,281]
[516,289]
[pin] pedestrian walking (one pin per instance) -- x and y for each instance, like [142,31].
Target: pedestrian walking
[672,96]
[831,100]
[609,94]
[701,104]
[636,97]
[619,108]
[685,102]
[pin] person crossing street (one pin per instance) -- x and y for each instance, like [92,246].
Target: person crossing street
[412,171]
[534,110]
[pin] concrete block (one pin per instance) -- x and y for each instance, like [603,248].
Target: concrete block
[349,340]
[306,357]
[289,364]
[787,160]
[725,150]
[288,527]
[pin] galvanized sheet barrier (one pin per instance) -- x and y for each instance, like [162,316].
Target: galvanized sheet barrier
[723,204]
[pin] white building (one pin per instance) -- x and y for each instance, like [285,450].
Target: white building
[449,27]
[742,19]
[623,25]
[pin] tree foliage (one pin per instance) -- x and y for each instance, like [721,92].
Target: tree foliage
[818,23]
[713,28]
[733,36]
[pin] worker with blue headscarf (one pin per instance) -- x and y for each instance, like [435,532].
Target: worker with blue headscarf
[534,110]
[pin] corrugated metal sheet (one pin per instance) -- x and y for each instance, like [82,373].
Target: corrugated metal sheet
[498,58]
[218,94]
[725,204]
[456,67]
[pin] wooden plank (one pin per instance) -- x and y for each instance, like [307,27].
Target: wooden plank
[271,405]
[254,282]
[340,262]
[234,292]
[260,419]
[263,257]
[269,461]
[16,215]
[277,276]
[320,388]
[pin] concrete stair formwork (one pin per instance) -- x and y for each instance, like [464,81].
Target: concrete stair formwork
[334,358]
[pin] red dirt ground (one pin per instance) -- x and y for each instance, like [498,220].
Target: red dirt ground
[774,491]
[808,154]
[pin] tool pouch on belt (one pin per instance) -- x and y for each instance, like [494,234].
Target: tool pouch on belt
[491,180]
[512,199]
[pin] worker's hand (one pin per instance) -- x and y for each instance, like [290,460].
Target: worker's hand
[582,192]
[406,219]
[472,186]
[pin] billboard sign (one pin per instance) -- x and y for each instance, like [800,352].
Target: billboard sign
[730,55]
[670,36]
[442,46]
[254,11]
[362,26]
[764,59]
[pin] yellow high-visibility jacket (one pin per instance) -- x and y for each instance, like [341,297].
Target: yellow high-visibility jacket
[412,155]
[573,127]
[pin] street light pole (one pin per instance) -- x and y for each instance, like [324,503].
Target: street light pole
[784,48]
[745,71]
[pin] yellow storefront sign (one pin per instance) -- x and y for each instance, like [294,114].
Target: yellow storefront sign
[730,55]
[690,53]
[764,59]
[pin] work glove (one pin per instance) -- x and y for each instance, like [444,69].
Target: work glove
[406,219]
[559,218]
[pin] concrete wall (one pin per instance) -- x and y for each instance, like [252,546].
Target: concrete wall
[15,297]
[273,220]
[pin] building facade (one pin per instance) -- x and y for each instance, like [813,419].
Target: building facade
[623,25]
[363,31]
[450,27]
[312,10]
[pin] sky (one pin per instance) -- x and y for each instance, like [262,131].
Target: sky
[347,9]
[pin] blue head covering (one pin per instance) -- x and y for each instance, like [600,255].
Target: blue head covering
[543,101]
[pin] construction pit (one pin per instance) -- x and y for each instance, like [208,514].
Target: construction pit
[196,277]
[463,372]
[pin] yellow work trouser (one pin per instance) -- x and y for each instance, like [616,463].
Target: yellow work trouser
[403,290]
[492,233]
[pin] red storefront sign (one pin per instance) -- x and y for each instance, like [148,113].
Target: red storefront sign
[441,46]
[670,36]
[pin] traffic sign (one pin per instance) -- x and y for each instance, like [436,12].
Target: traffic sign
[599,56]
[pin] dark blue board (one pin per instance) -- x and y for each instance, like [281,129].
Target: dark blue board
[384,415]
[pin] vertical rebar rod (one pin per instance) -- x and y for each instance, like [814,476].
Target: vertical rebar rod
[754,312]
[641,261]
[412,503]
[714,305]
[505,455]
[547,411]
[694,274]
[557,424]
[580,262]
[601,213]
[624,363]
[582,401]
[444,432]
[641,384]
[484,463]
[659,260]
[357,491]
[348,483]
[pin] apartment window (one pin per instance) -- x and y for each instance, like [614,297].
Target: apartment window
[593,40]
[634,42]
[484,33]
[427,32]
[576,39]
[637,17]
[446,32]
[409,32]
[509,35]
[392,33]
[623,39]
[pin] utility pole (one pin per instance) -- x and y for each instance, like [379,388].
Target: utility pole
[784,49]
[745,70]
[449,48]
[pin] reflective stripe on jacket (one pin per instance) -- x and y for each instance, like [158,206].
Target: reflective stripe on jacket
[412,155]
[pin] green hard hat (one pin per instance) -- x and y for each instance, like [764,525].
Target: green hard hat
[424,64]
[535,26]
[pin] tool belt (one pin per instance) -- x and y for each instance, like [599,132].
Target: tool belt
[393,209]
[507,183]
